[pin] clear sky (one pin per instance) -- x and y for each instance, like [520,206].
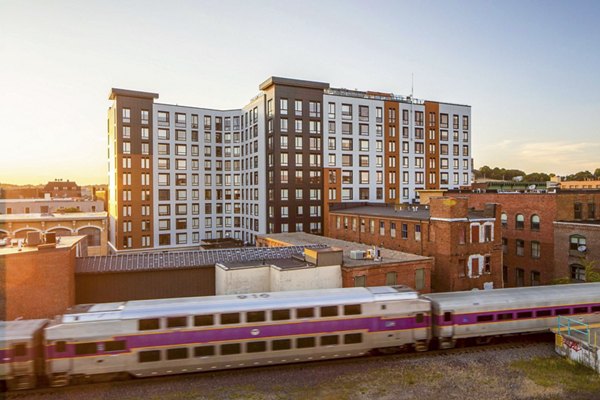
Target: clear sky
[529,69]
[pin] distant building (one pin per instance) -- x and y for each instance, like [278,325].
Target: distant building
[92,225]
[464,243]
[49,206]
[39,280]
[62,189]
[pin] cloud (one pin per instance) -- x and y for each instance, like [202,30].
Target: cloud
[561,157]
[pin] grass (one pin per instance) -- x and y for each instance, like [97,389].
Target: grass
[558,372]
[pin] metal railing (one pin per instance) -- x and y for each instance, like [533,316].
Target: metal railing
[577,326]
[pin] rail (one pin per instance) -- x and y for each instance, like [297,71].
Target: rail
[577,326]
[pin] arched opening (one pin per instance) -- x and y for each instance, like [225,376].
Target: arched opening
[93,235]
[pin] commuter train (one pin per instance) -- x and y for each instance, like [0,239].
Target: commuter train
[172,336]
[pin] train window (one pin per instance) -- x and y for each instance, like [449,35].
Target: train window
[229,349]
[330,340]
[485,318]
[305,313]
[20,350]
[562,311]
[352,338]
[149,356]
[204,351]
[419,318]
[305,342]
[580,310]
[148,324]
[255,316]
[256,347]
[203,320]
[352,309]
[330,311]
[595,308]
[115,345]
[281,344]
[176,322]
[543,313]
[177,354]
[86,348]
[60,346]
[280,315]
[230,318]
[447,316]
[524,314]
[505,316]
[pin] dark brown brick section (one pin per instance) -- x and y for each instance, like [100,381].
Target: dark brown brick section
[441,238]
[564,256]
[406,273]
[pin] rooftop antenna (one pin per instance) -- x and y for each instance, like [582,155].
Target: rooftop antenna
[412,84]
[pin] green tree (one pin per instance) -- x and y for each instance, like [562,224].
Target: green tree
[597,173]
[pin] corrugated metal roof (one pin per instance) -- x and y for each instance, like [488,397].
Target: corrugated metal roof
[183,259]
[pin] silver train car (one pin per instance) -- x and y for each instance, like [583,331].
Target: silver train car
[484,314]
[171,336]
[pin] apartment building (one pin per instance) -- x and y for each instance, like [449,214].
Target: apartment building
[181,174]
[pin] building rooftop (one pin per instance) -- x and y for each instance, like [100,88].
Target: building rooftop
[276,80]
[114,92]
[65,242]
[306,239]
[282,263]
[411,212]
[153,261]
[53,216]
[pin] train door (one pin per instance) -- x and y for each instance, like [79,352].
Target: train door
[59,363]
[21,366]
[444,328]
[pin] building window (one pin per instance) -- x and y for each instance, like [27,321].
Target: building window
[504,219]
[591,211]
[519,221]
[577,243]
[360,281]
[577,272]
[520,277]
[420,279]
[535,222]
[535,250]
[404,231]
[520,247]
[391,278]
[505,245]
[535,278]
[577,210]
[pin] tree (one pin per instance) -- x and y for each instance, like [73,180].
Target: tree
[592,273]
[597,173]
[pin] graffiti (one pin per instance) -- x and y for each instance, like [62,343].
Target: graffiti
[572,344]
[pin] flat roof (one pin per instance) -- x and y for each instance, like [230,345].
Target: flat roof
[114,92]
[53,216]
[276,80]
[417,213]
[283,263]
[64,243]
[305,239]
[169,260]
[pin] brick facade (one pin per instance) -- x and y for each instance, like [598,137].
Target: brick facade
[465,244]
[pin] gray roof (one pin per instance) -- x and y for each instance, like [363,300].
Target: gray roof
[183,259]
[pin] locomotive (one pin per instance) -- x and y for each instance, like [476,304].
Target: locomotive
[98,342]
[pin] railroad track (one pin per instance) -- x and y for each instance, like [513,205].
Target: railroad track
[503,343]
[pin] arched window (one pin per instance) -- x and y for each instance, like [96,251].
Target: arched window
[60,231]
[519,221]
[23,234]
[504,219]
[535,222]
[93,235]
[577,243]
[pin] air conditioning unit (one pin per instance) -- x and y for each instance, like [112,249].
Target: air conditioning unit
[357,254]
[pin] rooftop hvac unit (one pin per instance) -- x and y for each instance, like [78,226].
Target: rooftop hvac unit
[51,237]
[33,238]
[357,254]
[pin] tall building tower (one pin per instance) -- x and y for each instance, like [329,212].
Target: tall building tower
[179,174]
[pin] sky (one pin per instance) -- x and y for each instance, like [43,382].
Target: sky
[529,69]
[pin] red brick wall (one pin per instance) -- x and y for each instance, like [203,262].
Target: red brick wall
[38,284]
[376,275]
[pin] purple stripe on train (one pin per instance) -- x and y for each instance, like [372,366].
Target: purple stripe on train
[516,315]
[175,338]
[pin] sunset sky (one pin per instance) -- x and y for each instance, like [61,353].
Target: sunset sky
[529,69]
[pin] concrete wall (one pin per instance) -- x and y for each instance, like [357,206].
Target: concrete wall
[242,280]
[326,277]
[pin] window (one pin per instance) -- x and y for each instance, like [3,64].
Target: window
[229,349]
[148,324]
[302,343]
[314,109]
[305,313]
[363,113]
[404,231]
[203,320]
[346,111]
[176,322]
[519,221]
[280,315]
[360,281]
[535,222]
[352,338]
[504,219]
[591,211]
[204,351]
[520,277]
[126,113]
[256,347]
[520,247]
[577,210]
[577,243]
[230,318]
[330,340]
[149,356]
[391,278]
[283,106]
[535,249]
[535,278]
[177,353]
[352,309]
[329,311]
[419,279]
[86,348]
[114,345]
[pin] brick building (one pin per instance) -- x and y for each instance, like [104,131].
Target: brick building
[60,188]
[541,232]
[38,281]
[464,243]
[390,268]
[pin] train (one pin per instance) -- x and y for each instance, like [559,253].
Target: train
[100,342]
